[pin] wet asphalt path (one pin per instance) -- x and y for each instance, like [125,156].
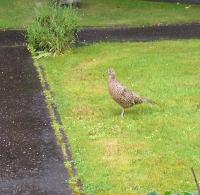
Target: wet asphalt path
[149,33]
[30,159]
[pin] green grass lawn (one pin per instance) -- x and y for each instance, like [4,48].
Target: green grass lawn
[136,13]
[153,147]
[19,13]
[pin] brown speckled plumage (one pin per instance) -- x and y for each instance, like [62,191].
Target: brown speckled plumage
[120,94]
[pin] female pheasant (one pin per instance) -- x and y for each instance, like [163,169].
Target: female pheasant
[123,96]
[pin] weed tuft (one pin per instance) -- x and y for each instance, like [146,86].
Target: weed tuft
[53,29]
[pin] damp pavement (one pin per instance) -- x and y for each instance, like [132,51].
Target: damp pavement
[31,162]
[149,33]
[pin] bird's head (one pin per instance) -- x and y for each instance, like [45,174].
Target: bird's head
[111,73]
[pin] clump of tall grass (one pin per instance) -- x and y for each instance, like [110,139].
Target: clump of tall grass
[53,29]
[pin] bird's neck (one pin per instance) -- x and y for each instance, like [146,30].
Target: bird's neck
[112,78]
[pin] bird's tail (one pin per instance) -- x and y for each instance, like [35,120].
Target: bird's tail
[146,100]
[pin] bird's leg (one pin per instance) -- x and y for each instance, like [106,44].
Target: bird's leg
[122,113]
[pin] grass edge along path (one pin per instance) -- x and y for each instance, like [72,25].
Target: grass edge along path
[74,182]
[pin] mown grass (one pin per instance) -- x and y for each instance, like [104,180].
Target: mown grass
[153,147]
[136,13]
[19,13]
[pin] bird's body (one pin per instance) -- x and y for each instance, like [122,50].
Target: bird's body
[121,94]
